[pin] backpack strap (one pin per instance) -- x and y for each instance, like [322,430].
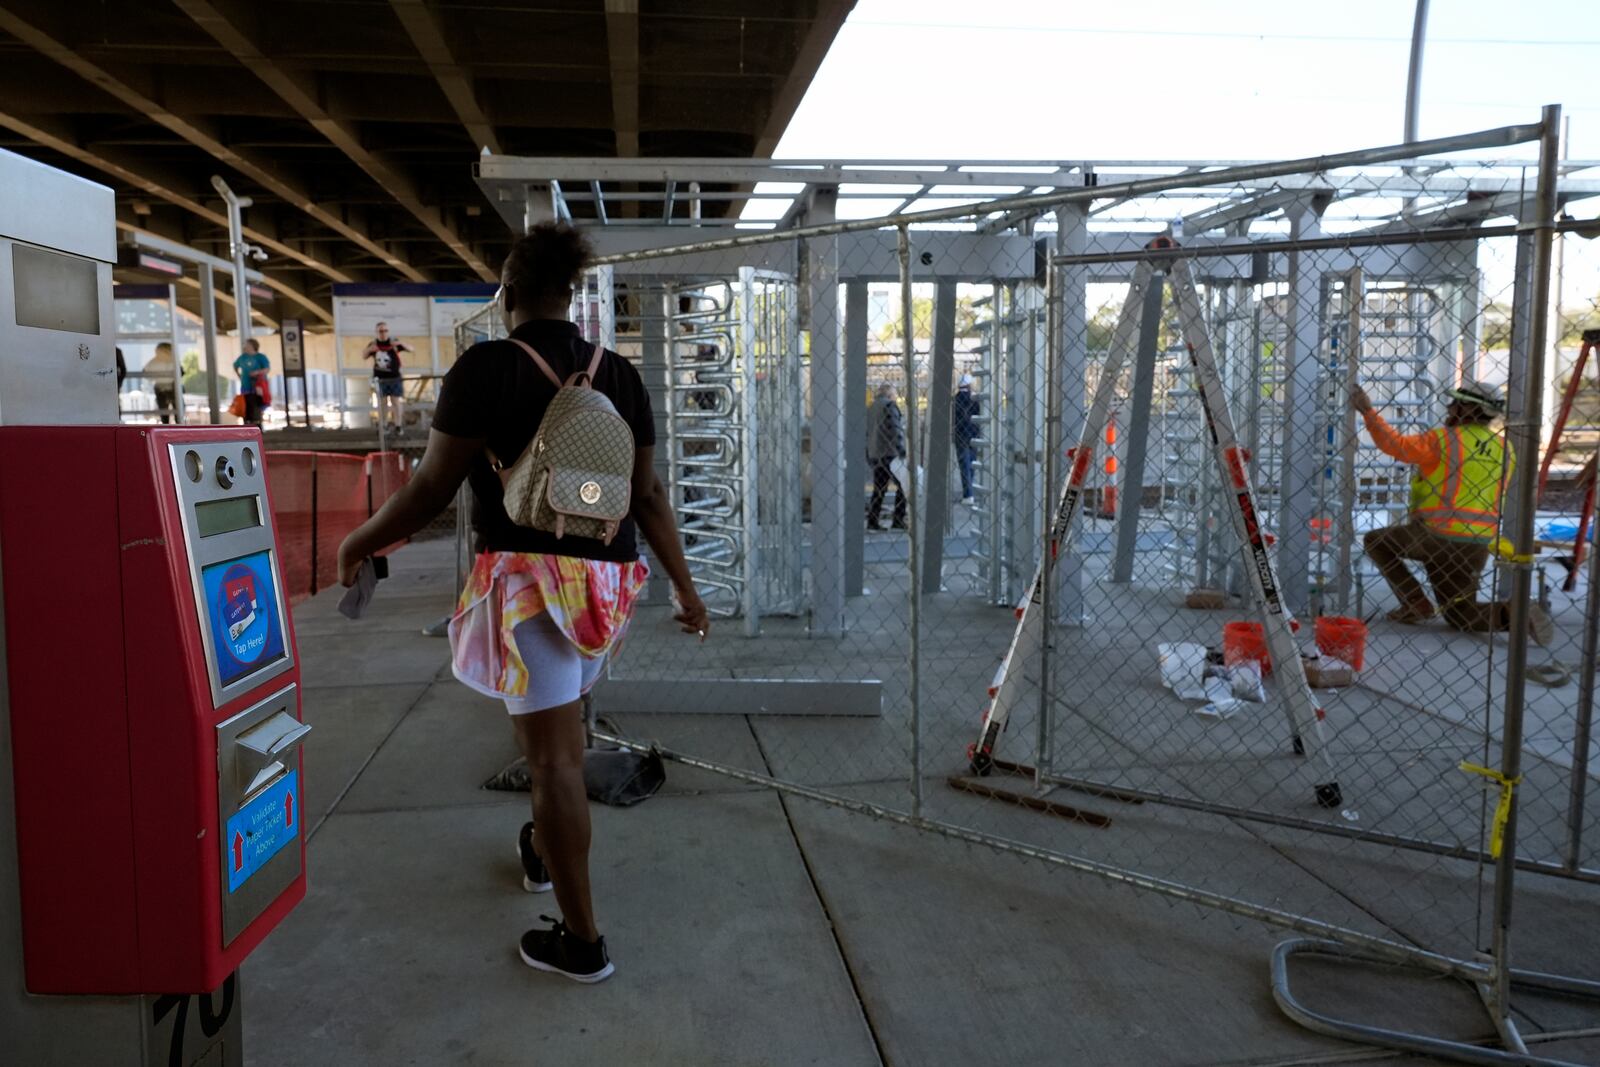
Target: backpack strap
[586,377]
[538,359]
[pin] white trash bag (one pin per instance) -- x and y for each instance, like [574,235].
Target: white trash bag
[1183,666]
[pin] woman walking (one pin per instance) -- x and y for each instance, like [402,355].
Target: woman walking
[540,613]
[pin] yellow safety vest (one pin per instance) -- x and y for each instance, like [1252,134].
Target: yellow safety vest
[1460,499]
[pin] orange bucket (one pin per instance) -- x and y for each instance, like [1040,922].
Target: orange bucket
[1342,637]
[1243,641]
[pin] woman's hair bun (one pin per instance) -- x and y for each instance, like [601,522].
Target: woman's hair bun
[546,260]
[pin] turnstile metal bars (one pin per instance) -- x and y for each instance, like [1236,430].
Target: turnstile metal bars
[1011,424]
[733,410]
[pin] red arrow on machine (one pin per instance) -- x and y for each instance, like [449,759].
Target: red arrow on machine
[238,851]
[288,809]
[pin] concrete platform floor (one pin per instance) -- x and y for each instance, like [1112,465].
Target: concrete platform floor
[752,928]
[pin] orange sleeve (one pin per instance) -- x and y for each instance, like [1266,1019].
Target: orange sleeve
[1421,449]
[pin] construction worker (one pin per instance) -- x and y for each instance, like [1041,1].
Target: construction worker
[1462,469]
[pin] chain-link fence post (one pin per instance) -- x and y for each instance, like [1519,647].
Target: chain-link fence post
[1525,427]
[1045,591]
[913,491]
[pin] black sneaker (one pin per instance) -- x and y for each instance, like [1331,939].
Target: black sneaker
[535,876]
[560,951]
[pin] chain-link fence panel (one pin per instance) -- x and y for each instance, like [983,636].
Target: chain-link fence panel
[1177,529]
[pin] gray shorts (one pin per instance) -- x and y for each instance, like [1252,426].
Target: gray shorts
[557,672]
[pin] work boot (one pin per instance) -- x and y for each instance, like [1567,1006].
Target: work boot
[1541,627]
[1412,614]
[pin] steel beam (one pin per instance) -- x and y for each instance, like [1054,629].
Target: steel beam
[160,186]
[823,27]
[223,26]
[936,479]
[1138,424]
[421,22]
[208,338]
[1070,346]
[622,46]
[855,435]
[1217,218]
[171,246]
[1303,446]
[833,510]
[202,135]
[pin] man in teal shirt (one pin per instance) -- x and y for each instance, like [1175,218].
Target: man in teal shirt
[252,368]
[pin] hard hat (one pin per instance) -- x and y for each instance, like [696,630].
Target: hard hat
[966,380]
[1484,397]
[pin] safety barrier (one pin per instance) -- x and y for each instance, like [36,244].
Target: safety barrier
[318,498]
[1300,280]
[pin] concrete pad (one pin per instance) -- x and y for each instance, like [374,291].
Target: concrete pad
[966,956]
[369,657]
[347,726]
[440,755]
[405,949]
[385,615]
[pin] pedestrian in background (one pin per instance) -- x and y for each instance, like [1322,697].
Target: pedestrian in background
[252,367]
[886,442]
[163,371]
[963,431]
[384,351]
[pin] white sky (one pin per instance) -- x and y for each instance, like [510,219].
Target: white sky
[1192,80]
[1187,79]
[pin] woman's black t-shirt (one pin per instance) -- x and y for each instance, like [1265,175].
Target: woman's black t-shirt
[495,391]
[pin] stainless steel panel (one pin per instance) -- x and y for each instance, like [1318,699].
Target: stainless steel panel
[220,470]
[246,765]
[51,208]
[53,375]
[54,291]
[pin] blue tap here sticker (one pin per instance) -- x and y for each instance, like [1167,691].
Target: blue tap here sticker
[261,828]
[242,606]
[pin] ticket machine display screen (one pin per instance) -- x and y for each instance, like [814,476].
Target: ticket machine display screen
[242,610]
[212,517]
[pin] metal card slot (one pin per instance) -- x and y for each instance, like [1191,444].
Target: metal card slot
[262,749]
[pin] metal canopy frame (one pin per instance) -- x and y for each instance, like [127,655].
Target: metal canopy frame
[669,194]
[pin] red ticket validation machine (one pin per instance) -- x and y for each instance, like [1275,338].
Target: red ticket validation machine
[154,708]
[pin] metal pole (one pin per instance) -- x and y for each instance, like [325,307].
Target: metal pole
[1419,29]
[908,352]
[1354,295]
[173,318]
[241,284]
[1052,444]
[1144,383]
[750,450]
[1303,448]
[208,334]
[1585,717]
[1524,433]
[936,482]
[855,433]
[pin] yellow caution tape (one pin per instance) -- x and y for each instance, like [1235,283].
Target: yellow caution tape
[1502,811]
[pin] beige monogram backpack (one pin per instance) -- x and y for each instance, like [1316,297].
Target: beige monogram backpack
[576,475]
